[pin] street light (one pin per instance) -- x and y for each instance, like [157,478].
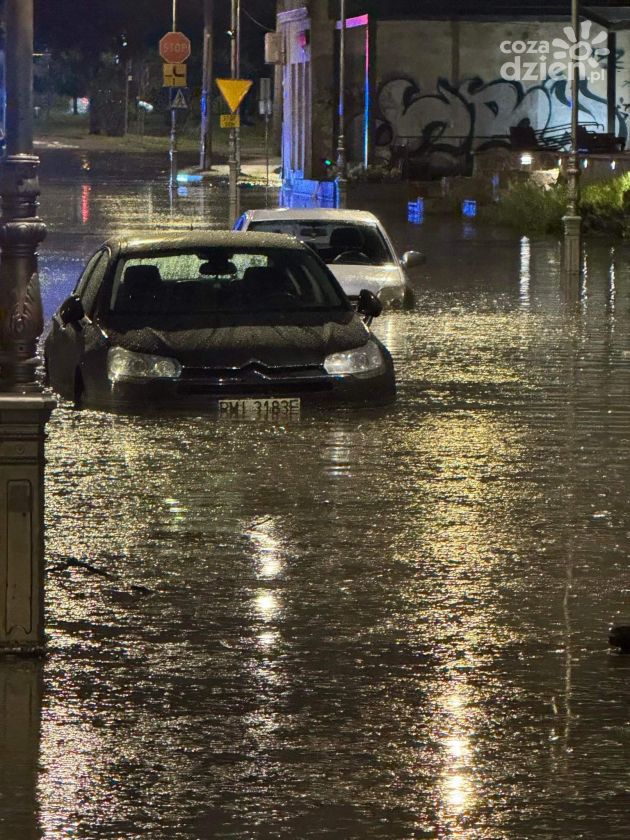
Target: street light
[24,408]
[342,164]
[572,220]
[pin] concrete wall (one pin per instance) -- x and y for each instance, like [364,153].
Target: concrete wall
[308,93]
[440,84]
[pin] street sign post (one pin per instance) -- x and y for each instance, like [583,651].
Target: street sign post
[234,91]
[265,108]
[174,51]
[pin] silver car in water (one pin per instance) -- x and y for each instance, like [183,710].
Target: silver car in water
[353,243]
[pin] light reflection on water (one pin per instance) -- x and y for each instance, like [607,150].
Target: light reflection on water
[385,624]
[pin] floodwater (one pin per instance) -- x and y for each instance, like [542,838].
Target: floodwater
[384,624]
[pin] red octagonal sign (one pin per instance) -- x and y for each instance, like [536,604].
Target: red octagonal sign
[174,47]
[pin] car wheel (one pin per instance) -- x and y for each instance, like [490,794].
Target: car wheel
[410,298]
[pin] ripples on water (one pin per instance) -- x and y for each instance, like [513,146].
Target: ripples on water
[380,624]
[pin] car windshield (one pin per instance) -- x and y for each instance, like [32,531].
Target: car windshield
[334,241]
[192,284]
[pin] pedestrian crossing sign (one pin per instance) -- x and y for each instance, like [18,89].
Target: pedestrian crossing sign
[179,99]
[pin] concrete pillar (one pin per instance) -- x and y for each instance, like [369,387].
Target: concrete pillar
[22,422]
[276,120]
[324,96]
[20,727]
[611,83]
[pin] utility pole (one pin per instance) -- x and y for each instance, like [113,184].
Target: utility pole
[238,76]
[172,154]
[205,156]
[24,408]
[233,163]
[572,220]
[342,164]
[128,67]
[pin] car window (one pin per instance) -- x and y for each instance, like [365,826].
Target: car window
[93,281]
[330,239]
[87,273]
[190,285]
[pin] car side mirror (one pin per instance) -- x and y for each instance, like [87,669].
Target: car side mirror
[412,259]
[369,305]
[71,310]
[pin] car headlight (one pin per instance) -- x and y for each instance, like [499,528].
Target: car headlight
[123,364]
[361,360]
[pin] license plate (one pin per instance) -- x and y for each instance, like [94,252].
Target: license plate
[267,408]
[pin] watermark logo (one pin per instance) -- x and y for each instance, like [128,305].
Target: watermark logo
[533,61]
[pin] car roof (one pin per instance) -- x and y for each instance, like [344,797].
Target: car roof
[316,214]
[173,241]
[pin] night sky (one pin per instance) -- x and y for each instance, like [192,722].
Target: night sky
[63,24]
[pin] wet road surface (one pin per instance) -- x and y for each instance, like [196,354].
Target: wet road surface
[381,624]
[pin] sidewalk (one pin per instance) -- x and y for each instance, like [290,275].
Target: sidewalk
[253,171]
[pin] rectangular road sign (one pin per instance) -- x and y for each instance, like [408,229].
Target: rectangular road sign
[234,91]
[174,75]
[230,121]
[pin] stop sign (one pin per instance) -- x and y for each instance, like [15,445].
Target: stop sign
[174,47]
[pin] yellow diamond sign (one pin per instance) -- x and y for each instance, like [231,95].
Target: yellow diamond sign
[234,91]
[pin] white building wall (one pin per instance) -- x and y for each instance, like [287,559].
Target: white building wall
[443,83]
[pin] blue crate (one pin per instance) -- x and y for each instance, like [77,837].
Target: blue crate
[415,211]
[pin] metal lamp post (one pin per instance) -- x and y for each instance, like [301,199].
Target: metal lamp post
[24,408]
[342,163]
[572,220]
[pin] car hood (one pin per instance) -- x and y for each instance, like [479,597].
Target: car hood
[353,278]
[238,345]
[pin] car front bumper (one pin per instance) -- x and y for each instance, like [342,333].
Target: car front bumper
[204,393]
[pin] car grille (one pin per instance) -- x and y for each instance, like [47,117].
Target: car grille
[271,389]
[253,379]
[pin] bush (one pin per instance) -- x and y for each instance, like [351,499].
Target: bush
[605,207]
[530,209]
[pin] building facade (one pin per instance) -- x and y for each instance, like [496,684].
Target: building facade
[438,87]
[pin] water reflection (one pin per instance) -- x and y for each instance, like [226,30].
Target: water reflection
[525,272]
[361,625]
[457,792]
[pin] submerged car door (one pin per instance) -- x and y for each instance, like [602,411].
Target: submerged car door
[68,341]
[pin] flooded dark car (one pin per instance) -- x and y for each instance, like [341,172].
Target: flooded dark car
[242,324]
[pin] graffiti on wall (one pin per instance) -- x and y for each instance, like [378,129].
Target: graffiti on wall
[446,126]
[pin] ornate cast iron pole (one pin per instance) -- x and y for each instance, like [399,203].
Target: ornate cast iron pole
[572,220]
[24,409]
